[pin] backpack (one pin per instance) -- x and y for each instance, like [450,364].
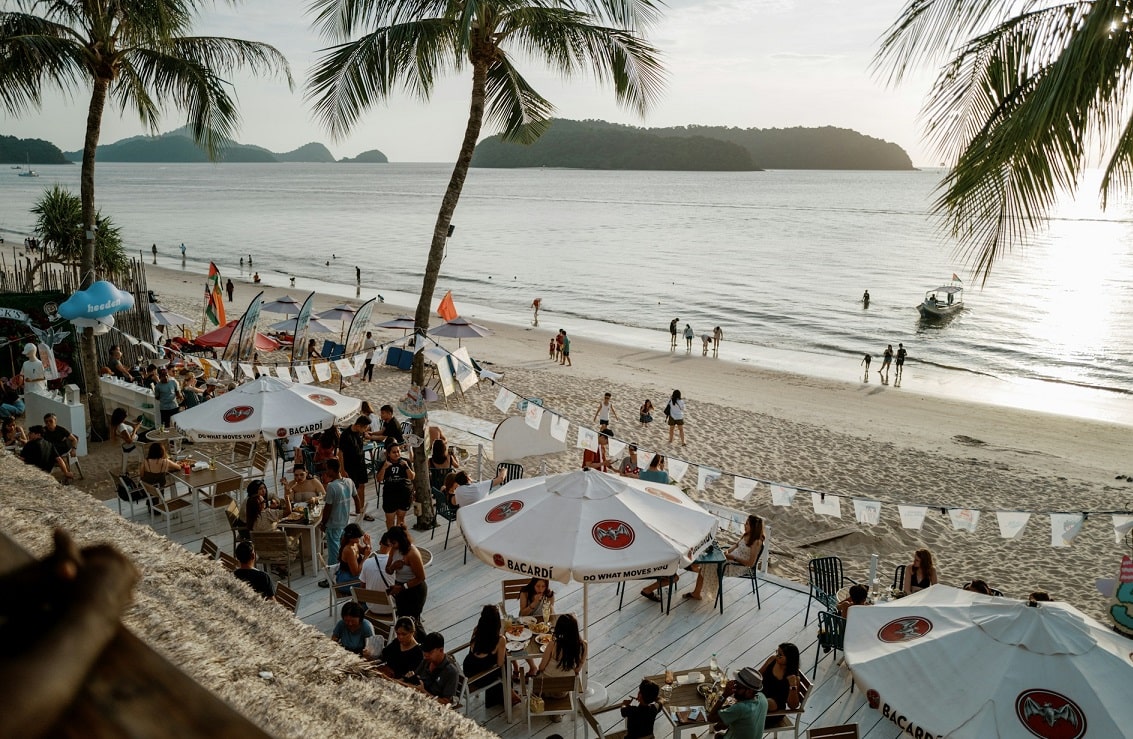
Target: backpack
[667,405]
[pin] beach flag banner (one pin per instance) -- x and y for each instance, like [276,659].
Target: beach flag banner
[303,374]
[534,416]
[560,425]
[1121,607]
[677,468]
[1012,523]
[587,438]
[214,298]
[826,505]
[1064,528]
[284,373]
[150,348]
[356,334]
[242,341]
[964,519]
[504,399]
[616,447]
[867,512]
[247,370]
[912,516]
[742,487]
[322,371]
[345,367]
[782,496]
[299,334]
[1122,525]
[705,476]
[444,370]
[447,309]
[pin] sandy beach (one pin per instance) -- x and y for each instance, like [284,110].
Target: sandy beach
[870,441]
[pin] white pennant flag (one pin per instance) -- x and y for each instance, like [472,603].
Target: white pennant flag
[225,366]
[587,438]
[559,428]
[360,363]
[826,505]
[912,516]
[742,487]
[246,370]
[705,476]
[504,399]
[867,512]
[964,519]
[345,368]
[615,448]
[534,416]
[1121,526]
[283,373]
[379,357]
[781,495]
[303,374]
[322,371]
[677,468]
[1064,528]
[1012,523]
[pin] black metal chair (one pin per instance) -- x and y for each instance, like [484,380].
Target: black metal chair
[831,637]
[514,471]
[826,579]
[899,577]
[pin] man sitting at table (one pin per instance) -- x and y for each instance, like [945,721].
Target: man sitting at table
[469,492]
[438,674]
[391,429]
[743,719]
[247,572]
[63,441]
[39,452]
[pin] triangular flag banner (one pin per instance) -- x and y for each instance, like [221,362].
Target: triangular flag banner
[504,399]
[826,505]
[535,416]
[204,363]
[379,357]
[781,495]
[964,519]
[283,373]
[559,428]
[615,448]
[345,368]
[322,371]
[447,309]
[677,468]
[1122,525]
[247,371]
[705,476]
[1064,528]
[359,364]
[867,512]
[587,438]
[303,374]
[225,366]
[912,516]
[742,487]
[1012,523]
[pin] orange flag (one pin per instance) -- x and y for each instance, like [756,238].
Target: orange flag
[447,310]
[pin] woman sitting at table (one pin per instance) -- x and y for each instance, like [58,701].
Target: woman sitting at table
[486,655]
[303,488]
[740,558]
[259,514]
[921,573]
[352,552]
[442,457]
[566,654]
[157,465]
[781,678]
[533,595]
[656,471]
[352,630]
[403,654]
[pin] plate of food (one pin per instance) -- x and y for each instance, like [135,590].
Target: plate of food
[528,621]
[541,627]
[543,639]
[516,646]
[518,632]
[704,689]
[293,517]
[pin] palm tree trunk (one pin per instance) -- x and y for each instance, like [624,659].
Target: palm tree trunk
[86,265]
[433,270]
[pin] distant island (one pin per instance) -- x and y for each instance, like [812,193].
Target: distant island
[29,151]
[373,156]
[602,145]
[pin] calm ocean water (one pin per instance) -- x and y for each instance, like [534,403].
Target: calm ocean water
[778,259]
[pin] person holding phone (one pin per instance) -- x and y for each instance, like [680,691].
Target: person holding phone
[745,718]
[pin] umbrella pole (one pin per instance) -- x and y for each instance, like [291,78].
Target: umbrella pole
[594,693]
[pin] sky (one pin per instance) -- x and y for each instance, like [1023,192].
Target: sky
[742,63]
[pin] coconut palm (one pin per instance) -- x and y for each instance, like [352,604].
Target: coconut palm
[409,43]
[1029,93]
[59,228]
[137,53]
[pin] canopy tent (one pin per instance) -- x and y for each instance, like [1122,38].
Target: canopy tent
[992,666]
[220,337]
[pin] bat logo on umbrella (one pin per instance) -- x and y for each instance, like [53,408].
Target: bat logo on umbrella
[904,629]
[504,511]
[239,413]
[322,399]
[1050,715]
[613,534]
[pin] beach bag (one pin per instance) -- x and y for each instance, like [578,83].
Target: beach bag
[667,406]
[536,704]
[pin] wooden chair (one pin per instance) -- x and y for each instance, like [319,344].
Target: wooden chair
[277,548]
[331,571]
[257,469]
[510,590]
[230,563]
[209,548]
[844,731]
[788,719]
[222,494]
[159,506]
[826,579]
[514,471]
[566,706]
[130,491]
[591,718]
[239,528]
[466,693]
[242,452]
[379,609]
[287,598]
[831,636]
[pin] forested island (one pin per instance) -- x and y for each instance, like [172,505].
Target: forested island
[601,145]
[29,151]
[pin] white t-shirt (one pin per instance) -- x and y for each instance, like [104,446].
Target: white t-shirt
[34,374]
[372,571]
[469,494]
[604,412]
[677,410]
[129,431]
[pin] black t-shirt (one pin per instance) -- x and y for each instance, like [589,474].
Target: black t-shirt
[60,438]
[354,459]
[400,661]
[396,478]
[40,453]
[258,579]
[391,429]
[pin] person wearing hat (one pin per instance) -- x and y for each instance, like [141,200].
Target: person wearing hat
[743,719]
[35,376]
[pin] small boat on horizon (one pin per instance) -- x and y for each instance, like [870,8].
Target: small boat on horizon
[942,301]
[29,173]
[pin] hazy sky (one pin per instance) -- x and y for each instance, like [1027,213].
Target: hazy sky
[743,63]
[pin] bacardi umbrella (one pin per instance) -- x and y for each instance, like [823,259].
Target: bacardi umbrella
[948,662]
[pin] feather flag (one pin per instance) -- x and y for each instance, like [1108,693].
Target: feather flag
[214,299]
[447,309]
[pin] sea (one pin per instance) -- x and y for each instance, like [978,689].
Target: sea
[778,259]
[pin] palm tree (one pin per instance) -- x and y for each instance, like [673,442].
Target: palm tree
[59,227]
[1029,93]
[408,43]
[139,54]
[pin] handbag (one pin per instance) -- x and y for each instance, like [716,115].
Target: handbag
[535,704]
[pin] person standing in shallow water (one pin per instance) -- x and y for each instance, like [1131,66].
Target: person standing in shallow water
[901,353]
[886,360]
[865,363]
[689,336]
[566,349]
[673,333]
[717,337]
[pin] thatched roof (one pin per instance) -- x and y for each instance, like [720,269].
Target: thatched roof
[200,618]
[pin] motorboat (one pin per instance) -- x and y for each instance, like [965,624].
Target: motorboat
[29,173]
[942,301]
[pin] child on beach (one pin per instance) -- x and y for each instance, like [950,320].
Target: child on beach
[646,413]
[552,349]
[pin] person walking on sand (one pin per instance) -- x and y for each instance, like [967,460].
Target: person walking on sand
[182,251]
[901,354]
[886,360]
[605,410]
[865,363]
[717,337]
[231,289]
[673,333]
[154,250]
[536,304]
[566,349]
[675,410]
[689,336]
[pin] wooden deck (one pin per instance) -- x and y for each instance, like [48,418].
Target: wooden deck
[639,640]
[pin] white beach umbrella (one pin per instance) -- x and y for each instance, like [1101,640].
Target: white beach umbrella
[314,326]
[460,329]
[286,305]
[948,662]
[164,317]
[340,313]
[403,323]
[266,408]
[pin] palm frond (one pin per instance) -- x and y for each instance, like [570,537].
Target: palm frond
[639,15]
[520,113]
[341,20]
[129,91]
[35,53]
[226,55]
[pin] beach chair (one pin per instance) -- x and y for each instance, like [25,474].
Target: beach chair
[825,580]
[831,637]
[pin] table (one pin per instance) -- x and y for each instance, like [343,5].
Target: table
[713,555]
[530,651]
[683,695]
[198,479]
[314,535]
